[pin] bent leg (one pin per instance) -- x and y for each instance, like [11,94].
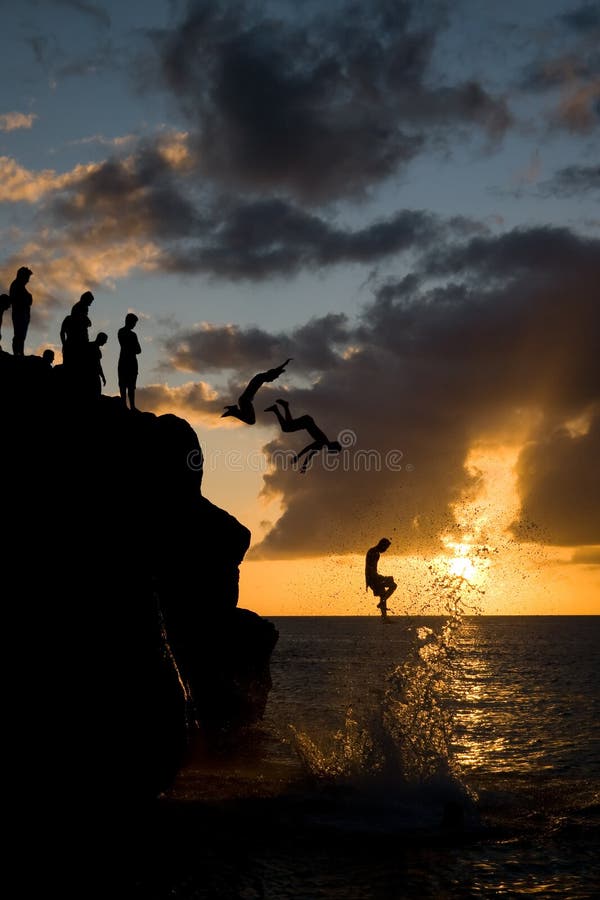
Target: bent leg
[389,587]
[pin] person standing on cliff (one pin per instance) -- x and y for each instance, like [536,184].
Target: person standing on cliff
[383,586]
[128,364]
[20,300]
[96,374]
[4,305]
[74,331]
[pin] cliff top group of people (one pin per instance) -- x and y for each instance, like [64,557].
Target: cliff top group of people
[82,358]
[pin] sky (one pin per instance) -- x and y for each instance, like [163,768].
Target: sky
[402,197]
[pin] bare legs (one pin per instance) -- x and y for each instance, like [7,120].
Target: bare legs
[386,588]
[128,390]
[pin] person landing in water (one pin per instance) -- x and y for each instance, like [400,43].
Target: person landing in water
[304,423]
[383,586]
[244,409]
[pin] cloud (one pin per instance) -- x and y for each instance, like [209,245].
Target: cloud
[508,345]
[584,19]
[560,488]
[586,556]
[18,184]
[265,238]
[568,71]
[155,192]
[316,346]
[58,274]
[15,120]
[196,401]
[320,108]
[579,107]
[98,14]
[571,181]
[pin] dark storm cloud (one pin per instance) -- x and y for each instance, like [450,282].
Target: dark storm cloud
[543,249]
[434,369]
[572,180]
[271,237]
[584,19]
[140,195]
[315,346]
[320,108]
[144,195]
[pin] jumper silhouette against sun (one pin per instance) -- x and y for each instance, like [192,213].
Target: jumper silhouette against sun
[304,423]
[244,409]
[383,586]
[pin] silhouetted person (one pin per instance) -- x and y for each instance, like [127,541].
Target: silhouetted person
[304,423]
[95,364]
[20,300]
[48,358]
[244,410]
[4,305]
[128,364]
[383,586]
[74,330]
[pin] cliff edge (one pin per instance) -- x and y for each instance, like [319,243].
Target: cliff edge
[120,592]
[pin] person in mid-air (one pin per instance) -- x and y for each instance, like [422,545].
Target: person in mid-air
[244,409]
[304,423]
[383,586]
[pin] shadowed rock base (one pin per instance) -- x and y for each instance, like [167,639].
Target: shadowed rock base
[120,589]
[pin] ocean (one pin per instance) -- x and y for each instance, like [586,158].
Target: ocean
[429,757]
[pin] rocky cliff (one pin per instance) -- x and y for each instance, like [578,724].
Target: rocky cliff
[120,592]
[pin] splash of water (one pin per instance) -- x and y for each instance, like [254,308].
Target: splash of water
[407,737]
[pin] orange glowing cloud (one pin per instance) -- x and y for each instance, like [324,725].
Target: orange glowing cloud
[18,184]
[14,120]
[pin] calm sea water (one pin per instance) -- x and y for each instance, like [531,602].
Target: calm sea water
[425,758]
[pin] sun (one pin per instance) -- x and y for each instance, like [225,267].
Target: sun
[462,567]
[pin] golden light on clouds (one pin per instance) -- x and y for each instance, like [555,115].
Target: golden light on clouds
[87,264]
[175,151]
[496,574]
[14,120]
[191,400]
[18,184]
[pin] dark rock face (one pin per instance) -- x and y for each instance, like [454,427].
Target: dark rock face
[107,542]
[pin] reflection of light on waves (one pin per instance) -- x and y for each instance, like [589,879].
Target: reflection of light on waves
[474,748]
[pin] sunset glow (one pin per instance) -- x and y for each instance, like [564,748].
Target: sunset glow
[403,207]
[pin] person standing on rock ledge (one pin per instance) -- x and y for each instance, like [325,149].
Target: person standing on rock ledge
[20,300]
[128,364]
[4,305]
